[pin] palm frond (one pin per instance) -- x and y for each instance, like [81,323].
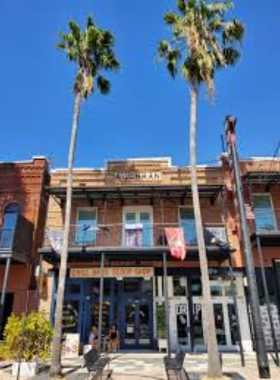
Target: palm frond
[171,18]
[103,85]
[181,6]
[233,31]
[75,29]
[231,56]
[92,51]
[203,40]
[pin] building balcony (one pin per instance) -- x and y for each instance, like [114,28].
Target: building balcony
[130,238]
[16,243]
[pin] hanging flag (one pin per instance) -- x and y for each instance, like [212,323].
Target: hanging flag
[176,242]
[55,238]
[249,212]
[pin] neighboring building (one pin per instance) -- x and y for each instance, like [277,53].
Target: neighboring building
[23,204]
[261,178]
[122,212]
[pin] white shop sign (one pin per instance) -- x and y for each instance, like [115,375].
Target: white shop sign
[71,346]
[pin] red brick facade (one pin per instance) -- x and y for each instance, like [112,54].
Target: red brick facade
[23,183]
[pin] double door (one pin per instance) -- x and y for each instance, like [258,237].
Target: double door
[190,327]
[137,325]
[136,313]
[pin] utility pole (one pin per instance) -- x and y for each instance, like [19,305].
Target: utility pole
[262,359]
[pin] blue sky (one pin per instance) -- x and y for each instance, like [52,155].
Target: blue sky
[147,113]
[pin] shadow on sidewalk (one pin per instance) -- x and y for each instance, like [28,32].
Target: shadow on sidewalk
[199,375]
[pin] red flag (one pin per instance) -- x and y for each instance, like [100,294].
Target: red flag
[176,242]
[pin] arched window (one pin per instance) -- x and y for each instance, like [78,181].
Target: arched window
[10,218]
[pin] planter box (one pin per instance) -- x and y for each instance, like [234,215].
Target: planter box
[162,344]
[27,369]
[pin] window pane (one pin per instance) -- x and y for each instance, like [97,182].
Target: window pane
[233,324]
[11,215]
[145,219]
[220,325]
[130,325]
[188,225]
[196,287]
[130,217]
[179,286]
[216,290]
[73,288]
[182,324]
[86,228]
[105,316]
[263,212]
[197,324]
[144,317]
[70,317]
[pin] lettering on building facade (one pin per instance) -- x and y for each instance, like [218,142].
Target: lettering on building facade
[145,176]
[112,272]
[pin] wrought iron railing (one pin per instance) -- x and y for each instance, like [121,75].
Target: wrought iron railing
[130,235]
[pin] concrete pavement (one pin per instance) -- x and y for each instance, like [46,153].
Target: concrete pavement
[149,366]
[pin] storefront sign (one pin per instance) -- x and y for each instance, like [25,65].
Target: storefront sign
[112,272]
[151,176]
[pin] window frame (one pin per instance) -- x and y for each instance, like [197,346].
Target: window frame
[271,204]
[137,209]
[190,207]
[77,220]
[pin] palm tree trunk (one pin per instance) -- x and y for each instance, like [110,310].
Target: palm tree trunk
[56,343]
[214,365]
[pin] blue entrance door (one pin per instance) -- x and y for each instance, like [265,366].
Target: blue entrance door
[136,314]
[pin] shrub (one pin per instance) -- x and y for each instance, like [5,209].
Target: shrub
[161,322]
[28,337]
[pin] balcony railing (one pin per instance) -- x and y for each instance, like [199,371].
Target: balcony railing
[129,235]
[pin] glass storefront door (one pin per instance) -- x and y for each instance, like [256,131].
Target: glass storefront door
[136,313]
[137,323]
[225,321]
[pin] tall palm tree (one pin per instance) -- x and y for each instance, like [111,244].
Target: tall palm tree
[203,41]
[92,51]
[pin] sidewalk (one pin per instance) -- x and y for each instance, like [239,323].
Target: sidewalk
[149,366]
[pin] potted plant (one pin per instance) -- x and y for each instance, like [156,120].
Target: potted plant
[27,339]
[161,327]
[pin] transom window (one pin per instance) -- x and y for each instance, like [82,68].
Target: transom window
[264,213]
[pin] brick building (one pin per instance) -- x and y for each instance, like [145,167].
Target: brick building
[261,187]
[121,212]
[23,205]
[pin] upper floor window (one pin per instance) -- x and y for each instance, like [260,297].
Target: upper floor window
[264,213]
[86,226]
[188,224]
[10,218]
[138,226]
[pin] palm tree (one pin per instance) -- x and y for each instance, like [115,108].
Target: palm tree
[203,41]
[92,51]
